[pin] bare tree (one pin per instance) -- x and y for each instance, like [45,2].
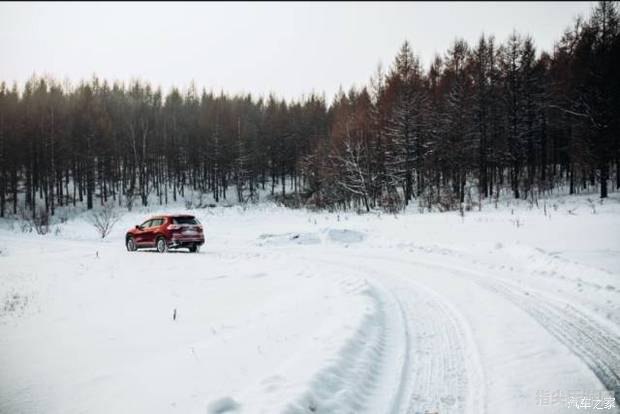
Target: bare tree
[104,219]
[354,178]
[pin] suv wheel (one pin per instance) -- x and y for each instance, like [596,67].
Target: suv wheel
[131,244]
[194,249]
[161,245]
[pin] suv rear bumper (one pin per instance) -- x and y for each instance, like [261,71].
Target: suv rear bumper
[180,241]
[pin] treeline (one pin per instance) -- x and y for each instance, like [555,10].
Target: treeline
[99,143]
[482,119]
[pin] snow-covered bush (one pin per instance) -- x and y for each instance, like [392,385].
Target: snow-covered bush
[39,221]
[25,226]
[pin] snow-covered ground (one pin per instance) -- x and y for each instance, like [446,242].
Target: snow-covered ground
[514,309]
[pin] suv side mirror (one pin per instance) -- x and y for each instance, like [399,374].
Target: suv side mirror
[138,227]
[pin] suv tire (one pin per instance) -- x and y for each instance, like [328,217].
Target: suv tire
[131,244]
[162,246]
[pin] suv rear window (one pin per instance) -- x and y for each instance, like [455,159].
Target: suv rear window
[184,220]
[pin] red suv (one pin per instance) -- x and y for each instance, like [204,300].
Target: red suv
[166,232]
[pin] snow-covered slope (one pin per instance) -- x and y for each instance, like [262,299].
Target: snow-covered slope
[508,310]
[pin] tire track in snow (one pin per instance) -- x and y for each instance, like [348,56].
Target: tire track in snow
[597,346]
[590,341]
[440,371]
[444,379]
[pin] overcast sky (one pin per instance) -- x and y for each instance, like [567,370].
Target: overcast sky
[286,48]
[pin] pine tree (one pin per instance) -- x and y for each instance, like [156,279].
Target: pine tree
[404,129]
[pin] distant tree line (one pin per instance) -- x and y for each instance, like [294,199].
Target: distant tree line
[482,119]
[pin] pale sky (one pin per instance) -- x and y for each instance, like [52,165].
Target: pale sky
[289,49]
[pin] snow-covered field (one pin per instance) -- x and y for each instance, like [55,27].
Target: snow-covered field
[514,309]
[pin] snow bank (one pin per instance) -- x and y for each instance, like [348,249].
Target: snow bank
[288,238]
[224,405]
[345,236]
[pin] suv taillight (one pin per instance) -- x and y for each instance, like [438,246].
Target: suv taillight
[173,227]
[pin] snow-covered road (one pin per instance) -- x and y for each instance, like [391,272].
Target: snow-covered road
[503,311]
[483,344]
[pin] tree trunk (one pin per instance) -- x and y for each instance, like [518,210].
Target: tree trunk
[604,178]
